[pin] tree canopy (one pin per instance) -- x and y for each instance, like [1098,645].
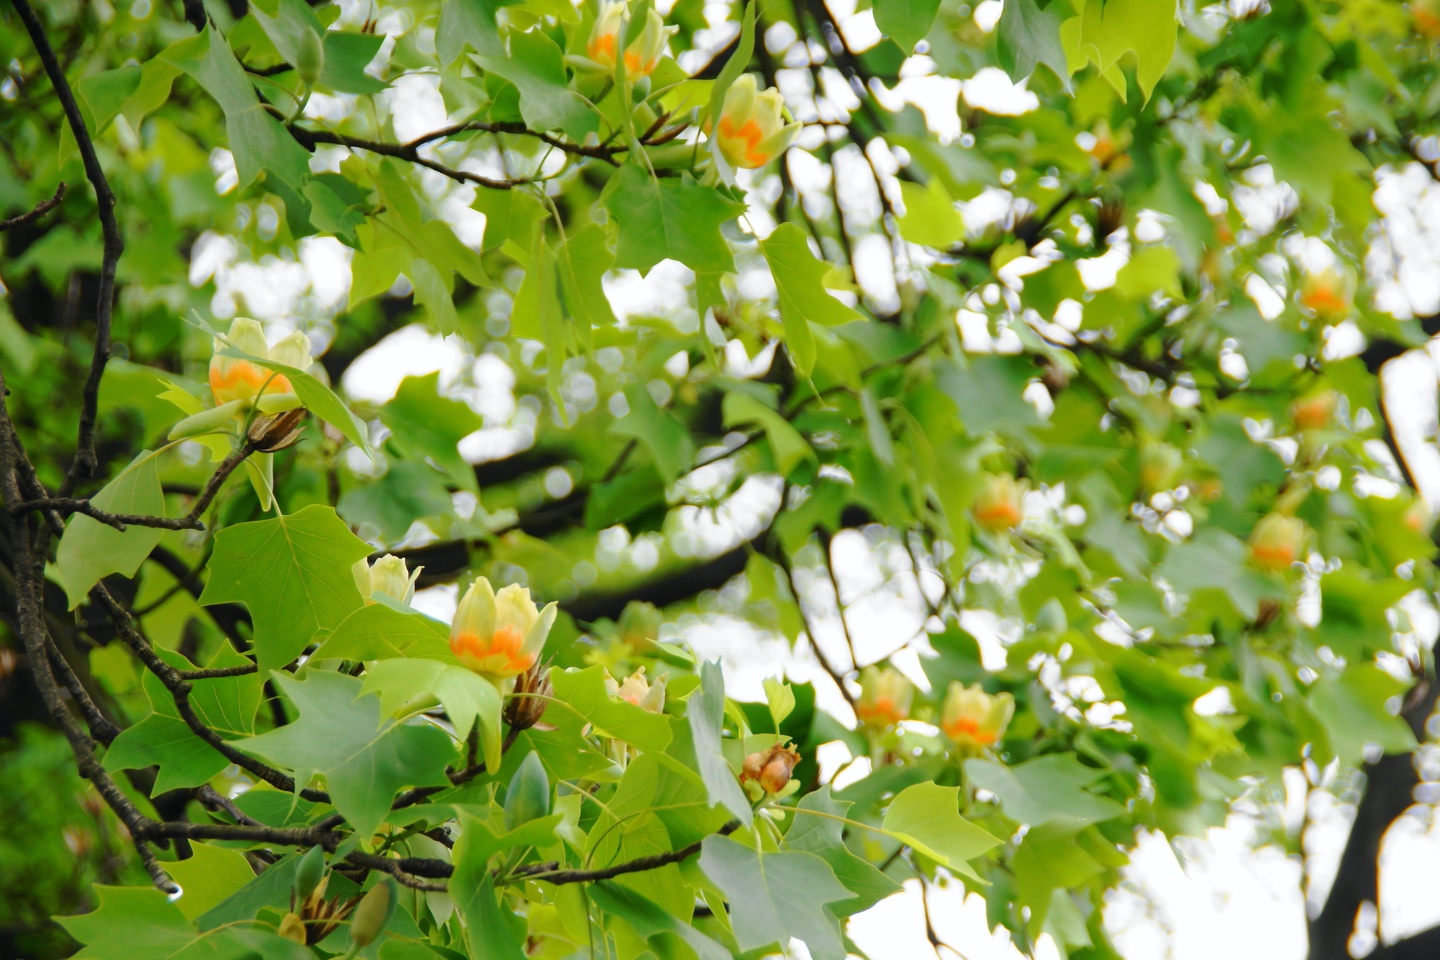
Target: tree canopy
[429,428]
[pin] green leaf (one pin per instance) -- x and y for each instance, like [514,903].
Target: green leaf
[1048,789]
[346,57]
[408,686]
[819,828]
[183,758]
[138,923]
[407,492]
[90,549]
[1028,36]
[1145,28]
[664,436]
[490,925]
[1353,709]
[906,21]
[340,736]
[670,218]
[584,691]
[101,97]
[584,258]
[786,443]
[469,23]
[425,424]
[378,631]
[293,573]
[926,816]
[536,66]
[258,142]
[776,896]
[930,216]
[800,288]
[319,400]
[650,920]
[1151,270]
[208,877]
[706,713]
[290,24]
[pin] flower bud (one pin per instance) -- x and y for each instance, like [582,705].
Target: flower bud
[1000,505]
[528,796]
[1315,411]
[1419,518]
[309,874]
[885,696]
[974,719]
[643,54]
[270,434]
[310,59]
[499,635]
[1327,294]
[770,770]
[373,912]
[527,702]
[1276,542]
[293,928]
[754,127]
[388,576]
[1160,466]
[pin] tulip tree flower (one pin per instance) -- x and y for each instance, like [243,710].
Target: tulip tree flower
[885,695]
[1328,293]
[1000,505]
[1276,542]
[974,719]
[754,127]
[388,575]
[235,378]
[499,636]
[639,691]
[643,54]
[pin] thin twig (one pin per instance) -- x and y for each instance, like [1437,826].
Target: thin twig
[41,208]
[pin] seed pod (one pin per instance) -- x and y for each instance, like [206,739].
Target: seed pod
[309,873]
[373,913]
[528,796]
[527,702]
[772,769]
[269,434]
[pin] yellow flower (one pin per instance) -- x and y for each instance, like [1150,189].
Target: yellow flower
[235,378]
[1000,505]
[1327,294]
[643,54]
[1276,542]
[753,127]
[639,691]
[974,719]
[885,695]
[499,635]
[388,575]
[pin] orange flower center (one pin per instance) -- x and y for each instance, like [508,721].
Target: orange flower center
[500,654]
[602,49]
[241,379]
[1323,298]
[750,134]
[969,728]
[1001,515]
[1273,556]
[882,711]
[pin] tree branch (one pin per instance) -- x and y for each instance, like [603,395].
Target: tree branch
[41,208]
[85,463]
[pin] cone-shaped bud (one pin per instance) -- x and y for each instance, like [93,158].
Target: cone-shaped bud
[309,874]
[974,719]
[527,702]
[373,912]
[528,796]
[771,771]
[271,434]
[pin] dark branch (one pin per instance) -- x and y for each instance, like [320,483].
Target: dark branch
[42,208]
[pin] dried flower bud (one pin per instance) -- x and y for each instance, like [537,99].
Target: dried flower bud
[269,434]
[771,770]
[527,702]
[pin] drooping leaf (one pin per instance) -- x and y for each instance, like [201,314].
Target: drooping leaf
[776,896]
[1030,36]
[906,21]
[799,285]
[927,817]
[676,219]
[706,712]
[426,424]
[90,549]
